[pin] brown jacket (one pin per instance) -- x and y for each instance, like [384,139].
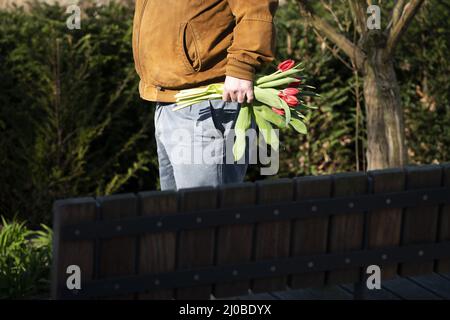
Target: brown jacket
[180,44]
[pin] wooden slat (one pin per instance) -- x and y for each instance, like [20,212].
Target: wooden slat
[435,283]
[259,296]
[346,230]
[196,247]
[445,275]
[374,294]
[66,253]
[325,293]
[272,238]
[309,236]
[384,226]
[443,265]
[420,223]
[408,290]
[117,256]
[234,243]
[157,251]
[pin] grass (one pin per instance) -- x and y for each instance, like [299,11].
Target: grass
[25,259]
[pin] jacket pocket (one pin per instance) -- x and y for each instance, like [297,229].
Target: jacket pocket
[188,47]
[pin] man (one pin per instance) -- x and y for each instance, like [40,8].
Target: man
[182,44]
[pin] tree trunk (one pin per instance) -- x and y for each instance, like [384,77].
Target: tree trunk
[384,114]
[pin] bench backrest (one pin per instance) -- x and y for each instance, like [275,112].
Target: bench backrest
[263,236]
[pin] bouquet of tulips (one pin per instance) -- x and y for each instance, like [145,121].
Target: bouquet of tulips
[278,101]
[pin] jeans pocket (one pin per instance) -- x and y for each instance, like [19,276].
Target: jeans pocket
[224,114]
[216,110]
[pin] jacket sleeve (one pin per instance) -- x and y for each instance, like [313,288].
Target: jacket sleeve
[253,37]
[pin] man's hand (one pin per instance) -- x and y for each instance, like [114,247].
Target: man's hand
[237,90]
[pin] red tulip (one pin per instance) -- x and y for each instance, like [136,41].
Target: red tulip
[290,91]
[286,65]
[295,84]
[292,101]
[279,111]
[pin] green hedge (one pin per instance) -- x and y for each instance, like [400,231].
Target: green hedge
[71,120]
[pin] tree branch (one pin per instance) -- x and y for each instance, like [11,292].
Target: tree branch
[331,11]
[341,41]
[397,11]
[403,21]
[359,14]
[395,14]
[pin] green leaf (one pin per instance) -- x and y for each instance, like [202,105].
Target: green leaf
[265,128]
[243,122]
[309,94]
[277,76]
[188,97]
[298,125]
[287,111]
[269,97]
[277,83]
[244,118]
[307,86]
[195,92]
[298,115]
[189,102]
[268,115]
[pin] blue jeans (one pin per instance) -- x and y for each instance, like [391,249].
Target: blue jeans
[192,144]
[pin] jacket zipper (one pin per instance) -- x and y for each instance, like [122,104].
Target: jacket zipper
[139,40]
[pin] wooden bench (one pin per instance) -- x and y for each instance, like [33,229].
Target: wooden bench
[272,235]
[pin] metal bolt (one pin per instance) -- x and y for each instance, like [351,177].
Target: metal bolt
[196,277]
[347,260]
[421,253]
[425,197]
[157,282]
[159,224]
[77,232]
[276,212]
[238,216]
[119,228]
[273,268]
[235,272]
[314,208]
[388,201]
[351,205]
[310,264]
[116,286]
[199,220]
[384,256]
